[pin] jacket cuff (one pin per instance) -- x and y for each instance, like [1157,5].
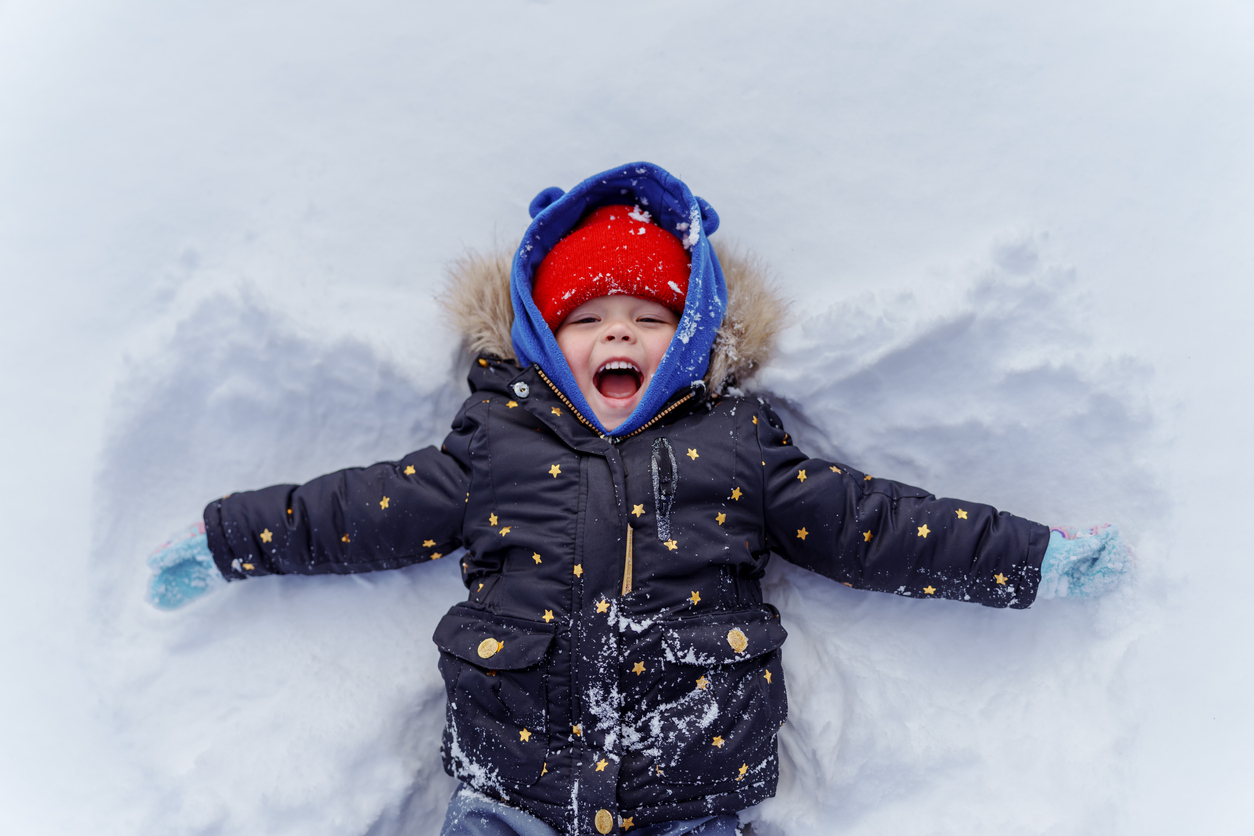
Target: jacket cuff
[216,536]
[1030,576]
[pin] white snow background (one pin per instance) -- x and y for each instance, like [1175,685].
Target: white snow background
[1019,240]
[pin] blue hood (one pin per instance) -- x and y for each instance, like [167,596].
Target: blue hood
[676,210]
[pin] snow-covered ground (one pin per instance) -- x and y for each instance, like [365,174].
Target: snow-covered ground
[1020,241]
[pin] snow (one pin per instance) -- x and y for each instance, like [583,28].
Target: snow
[1018,244]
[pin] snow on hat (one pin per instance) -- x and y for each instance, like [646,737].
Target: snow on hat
[615,249]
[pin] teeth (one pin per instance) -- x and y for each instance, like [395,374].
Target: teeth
[619,364]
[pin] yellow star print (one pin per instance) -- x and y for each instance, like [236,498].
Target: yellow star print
[924,531]
[866,478]
[426,544]
[702,682]
[505,531]
[492,520]
[930,590]
[721,517]
[801,476]
[535,556]
[767,677]
[409,470]
[603,605]
[248,566]
[736,494]
[436,555]
[962,515]
[755,420]
[579,570]
[383,503]
[744,767]
[637,510]
[345,539]
[601,764]
[555,411]
[638,668]
[511,404]
[554,470]
[548,616]
[628,824]
[545,769]
[577,731]
[671,544]
[835,469]
[866,536]
[718,741]
[692,453]
[695,597]
[1000,578]
[266,536]
[524,735]
[801,533]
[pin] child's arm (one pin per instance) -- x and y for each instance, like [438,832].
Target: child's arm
[379,517]
[878,534]
[384,516]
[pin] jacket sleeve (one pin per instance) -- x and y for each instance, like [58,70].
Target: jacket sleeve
[384,516]
[873,533]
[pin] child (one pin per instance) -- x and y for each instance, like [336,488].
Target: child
[614,666]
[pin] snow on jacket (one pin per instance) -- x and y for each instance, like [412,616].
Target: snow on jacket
[614,664]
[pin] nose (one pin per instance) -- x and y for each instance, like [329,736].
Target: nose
[618,331]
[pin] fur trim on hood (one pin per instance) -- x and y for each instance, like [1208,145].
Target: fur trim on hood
[477,300]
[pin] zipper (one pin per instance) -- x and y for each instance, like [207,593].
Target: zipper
[627,565]
[570,405]
[676,405]
[611,439]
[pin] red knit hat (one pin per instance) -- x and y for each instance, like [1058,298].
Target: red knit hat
[614,249]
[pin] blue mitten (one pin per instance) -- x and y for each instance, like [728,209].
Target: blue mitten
[1083,565]
[182,570]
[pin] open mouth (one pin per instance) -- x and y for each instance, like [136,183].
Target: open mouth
[618,379]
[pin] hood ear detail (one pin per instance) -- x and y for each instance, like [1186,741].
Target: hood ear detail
[476,299]
[545,199]
[709,218]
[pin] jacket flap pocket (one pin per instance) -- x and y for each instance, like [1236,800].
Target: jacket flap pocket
[493,641]
[723,639]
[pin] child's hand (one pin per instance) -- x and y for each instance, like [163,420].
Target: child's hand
[1083,564]
[182,570]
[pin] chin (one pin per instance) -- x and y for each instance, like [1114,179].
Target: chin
[612,413]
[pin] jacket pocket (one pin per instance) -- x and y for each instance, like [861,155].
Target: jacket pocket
[708,718]
[494,673]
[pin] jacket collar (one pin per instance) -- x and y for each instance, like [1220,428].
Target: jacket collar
[533,390]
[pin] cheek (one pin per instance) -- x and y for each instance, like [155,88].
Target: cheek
[575,350]
[657,348]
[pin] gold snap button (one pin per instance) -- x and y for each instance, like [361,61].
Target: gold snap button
[605,821]
[489,647]
[737,640]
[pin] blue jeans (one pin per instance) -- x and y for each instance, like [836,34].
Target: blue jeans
[472,814]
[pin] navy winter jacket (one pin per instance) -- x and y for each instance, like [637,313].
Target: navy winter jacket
[614,664]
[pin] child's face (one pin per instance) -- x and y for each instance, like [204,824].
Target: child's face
[615,330]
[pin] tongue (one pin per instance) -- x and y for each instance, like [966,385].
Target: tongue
[617,384]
